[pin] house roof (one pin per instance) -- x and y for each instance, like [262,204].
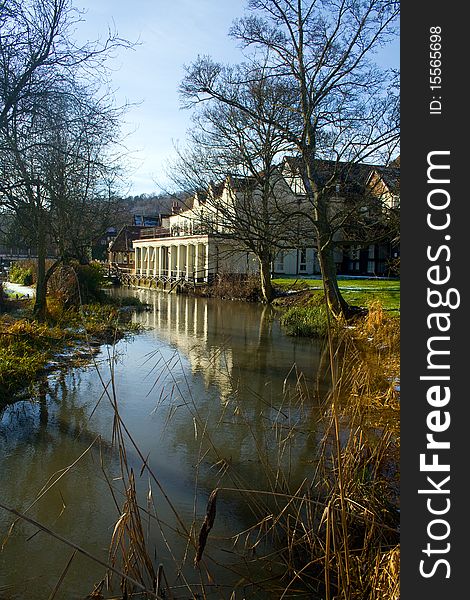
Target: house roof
[353,175]
[391,178]
[124,239]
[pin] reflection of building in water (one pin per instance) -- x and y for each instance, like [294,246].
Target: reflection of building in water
[236,350]
[185,323]
[241,389]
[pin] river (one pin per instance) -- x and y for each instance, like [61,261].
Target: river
[207,391]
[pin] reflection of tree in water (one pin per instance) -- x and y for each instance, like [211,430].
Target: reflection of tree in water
[39,439]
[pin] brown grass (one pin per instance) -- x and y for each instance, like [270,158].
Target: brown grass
[233,287]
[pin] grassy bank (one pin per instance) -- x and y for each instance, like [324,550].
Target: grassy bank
[357,292]
[29,348]
[301,303]
[359,494]
[71,333]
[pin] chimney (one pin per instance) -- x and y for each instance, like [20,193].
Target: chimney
[175,208]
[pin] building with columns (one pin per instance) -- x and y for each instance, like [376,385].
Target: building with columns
[206,237]
[196,258]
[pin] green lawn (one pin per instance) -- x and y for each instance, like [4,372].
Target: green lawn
[359,292]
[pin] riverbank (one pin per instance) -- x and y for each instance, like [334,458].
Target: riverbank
[29,349]
[375,334]
[361,292]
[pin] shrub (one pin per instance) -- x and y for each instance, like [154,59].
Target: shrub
[306,321]
[20,274]
[74,284]
[90,279]
[240,287]
[29,265]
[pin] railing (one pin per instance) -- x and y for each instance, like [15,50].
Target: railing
[167,277]
[151,233]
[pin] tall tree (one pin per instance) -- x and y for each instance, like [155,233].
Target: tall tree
[37,50]
[54,126]
[344,107]
[55,175]
[243,149]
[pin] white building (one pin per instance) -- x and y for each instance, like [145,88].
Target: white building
[206,238]
[214,233]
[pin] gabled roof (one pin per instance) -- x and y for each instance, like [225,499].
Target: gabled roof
[251,182]
[354,176]
[124,239]
[390,177]
[242,184]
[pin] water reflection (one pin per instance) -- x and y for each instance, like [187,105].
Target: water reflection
[207,391]
[236,346]
[39,438]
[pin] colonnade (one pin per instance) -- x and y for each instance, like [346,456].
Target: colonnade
[174,260]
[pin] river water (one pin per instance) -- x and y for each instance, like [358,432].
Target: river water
[206,391]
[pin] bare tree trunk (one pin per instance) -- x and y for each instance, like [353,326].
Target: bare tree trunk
[40,308]
[336,303]
[265,279]
[40,304]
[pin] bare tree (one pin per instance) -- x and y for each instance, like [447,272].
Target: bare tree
[344,107]
[244,150]
[55,125]
[55,174]
[37,50]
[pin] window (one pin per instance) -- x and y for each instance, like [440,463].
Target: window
[303,259]
[354,253]
[279,262]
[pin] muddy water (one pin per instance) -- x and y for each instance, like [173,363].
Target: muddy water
[204,391]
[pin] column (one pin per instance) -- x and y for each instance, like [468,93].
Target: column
[206,262]
[165,259]
[196,261]
[136,260]
[147,270]
[178,261]
[160,260]
[188,260]
[173,259]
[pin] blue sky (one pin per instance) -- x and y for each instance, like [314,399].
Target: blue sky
[170,34]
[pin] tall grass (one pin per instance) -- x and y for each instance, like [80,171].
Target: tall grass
[25,347]
[234,287]
[306,321]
